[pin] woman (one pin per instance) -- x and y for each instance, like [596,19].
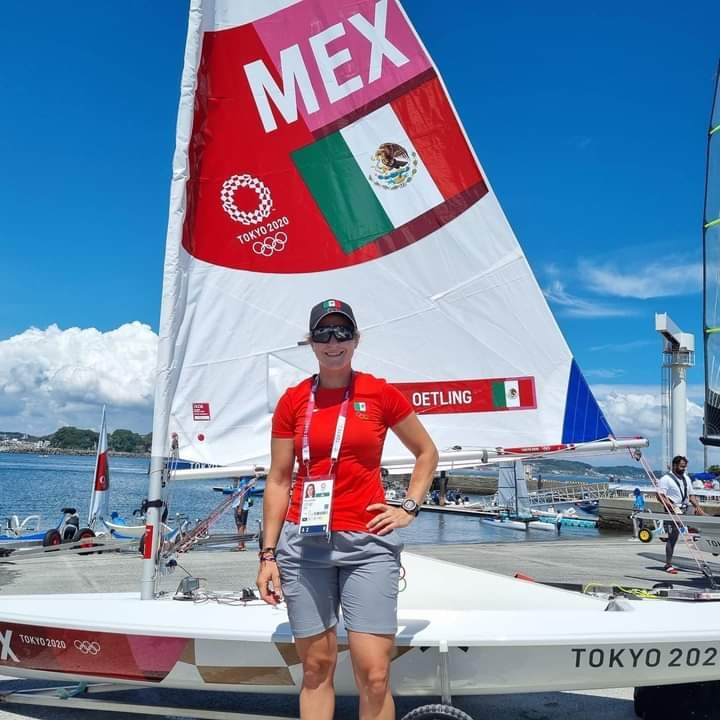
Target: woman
[335,424]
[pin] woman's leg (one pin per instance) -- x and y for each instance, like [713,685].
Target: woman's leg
[371,656]
[318,654]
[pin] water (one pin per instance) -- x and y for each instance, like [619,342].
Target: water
[38,484]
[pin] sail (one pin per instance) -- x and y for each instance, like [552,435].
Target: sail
[319,155]
[512,491]
[100,496]
[711,276]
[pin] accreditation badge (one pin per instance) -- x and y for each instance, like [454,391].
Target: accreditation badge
[316,505]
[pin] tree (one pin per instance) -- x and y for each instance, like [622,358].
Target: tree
[72,438]
[127,441]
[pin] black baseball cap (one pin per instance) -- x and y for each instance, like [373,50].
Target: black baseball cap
[330,307]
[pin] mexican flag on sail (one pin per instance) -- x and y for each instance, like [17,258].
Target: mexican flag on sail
[396,163]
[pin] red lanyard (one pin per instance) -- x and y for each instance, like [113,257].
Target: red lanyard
[339,427]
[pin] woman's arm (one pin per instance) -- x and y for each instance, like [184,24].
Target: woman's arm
[416,439]
[275,503]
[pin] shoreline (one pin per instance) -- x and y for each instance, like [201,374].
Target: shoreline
[64,451]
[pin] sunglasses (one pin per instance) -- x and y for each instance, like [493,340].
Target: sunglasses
[342,333]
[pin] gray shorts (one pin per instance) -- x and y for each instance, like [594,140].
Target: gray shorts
[357,571]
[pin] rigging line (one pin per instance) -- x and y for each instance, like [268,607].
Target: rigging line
[712,223]
[714,129]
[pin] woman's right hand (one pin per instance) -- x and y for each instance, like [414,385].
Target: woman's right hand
[268,582]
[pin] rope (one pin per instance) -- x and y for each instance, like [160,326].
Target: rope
[202,528]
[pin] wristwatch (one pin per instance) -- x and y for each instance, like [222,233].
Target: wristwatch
[410,506]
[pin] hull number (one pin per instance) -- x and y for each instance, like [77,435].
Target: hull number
[645,657]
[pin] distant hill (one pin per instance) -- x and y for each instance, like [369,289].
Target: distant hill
[574,467]
[8,435]
[71,438]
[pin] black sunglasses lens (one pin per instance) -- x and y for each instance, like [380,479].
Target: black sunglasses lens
[322,335]
[341,333]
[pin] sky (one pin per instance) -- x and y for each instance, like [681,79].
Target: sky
[590,121]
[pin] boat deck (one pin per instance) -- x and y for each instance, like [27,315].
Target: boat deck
[606,562]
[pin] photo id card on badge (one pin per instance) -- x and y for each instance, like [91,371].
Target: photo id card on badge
[316,505]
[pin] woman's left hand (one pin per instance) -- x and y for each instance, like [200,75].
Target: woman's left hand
[388,518]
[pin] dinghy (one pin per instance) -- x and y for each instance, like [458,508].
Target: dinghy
[19,534]
[319,155]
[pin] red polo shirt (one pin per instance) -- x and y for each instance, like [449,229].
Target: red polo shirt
[374,406]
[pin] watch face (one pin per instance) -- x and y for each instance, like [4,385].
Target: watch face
[410,505]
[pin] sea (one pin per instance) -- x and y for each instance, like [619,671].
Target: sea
[36,484]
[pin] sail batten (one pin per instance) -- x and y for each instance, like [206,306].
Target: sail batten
[307,169]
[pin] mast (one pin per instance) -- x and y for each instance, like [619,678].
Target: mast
[170,316]
[711,276]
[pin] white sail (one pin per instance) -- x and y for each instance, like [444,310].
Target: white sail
[319,156]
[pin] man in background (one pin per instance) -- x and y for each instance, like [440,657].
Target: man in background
[241,509]
[675,494]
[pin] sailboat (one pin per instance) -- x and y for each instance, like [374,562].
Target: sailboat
[69,528]
[318,155]
[711,281]
[98,509]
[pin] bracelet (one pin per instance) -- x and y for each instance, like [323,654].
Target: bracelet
[267,555]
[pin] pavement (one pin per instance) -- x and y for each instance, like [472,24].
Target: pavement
[613,560]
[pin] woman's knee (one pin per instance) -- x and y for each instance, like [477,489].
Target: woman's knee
[375,679]
[318,656]
[318,669]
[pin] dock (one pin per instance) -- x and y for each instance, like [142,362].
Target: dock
[606,561]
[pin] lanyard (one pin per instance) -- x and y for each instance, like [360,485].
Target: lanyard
[339,427]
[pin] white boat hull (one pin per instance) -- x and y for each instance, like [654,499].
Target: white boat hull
[500,634]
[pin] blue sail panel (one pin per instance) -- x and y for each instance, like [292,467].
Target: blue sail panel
[584,420]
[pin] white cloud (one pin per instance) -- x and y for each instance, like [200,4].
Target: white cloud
[664,277]
[619,347]
[636,410]
[576,306]
[52,378]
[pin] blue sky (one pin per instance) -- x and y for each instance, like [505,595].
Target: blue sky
[590,121]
